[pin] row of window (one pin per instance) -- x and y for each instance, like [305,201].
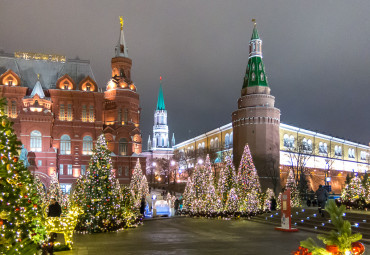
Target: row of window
[323,147]
[65,113]
[11,110]
[65,144]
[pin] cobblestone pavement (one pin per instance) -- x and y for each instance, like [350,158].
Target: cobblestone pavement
[191,236]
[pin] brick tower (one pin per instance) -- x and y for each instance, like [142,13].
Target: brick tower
[257,121]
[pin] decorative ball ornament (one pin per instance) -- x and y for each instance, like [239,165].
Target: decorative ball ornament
[1,222]
[333,249]
[358,248]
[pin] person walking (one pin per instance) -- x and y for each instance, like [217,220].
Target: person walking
[322,196]
[142,206]
[177,205]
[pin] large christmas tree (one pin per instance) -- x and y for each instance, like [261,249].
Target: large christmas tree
[295,200]
[100,207]
[249,186]
[20,212]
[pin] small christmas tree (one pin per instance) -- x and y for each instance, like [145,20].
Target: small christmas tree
[232,202]
[227,179]
[267,199]
[100,207]
[40,190]
[54,189]
[20,211]
[189,195]
[211,200]
[249,186]
[136,185]
[144,186]
[295,200]
[354,191]
[78,193]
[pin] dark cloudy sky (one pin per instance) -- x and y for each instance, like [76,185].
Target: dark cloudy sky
[316,53]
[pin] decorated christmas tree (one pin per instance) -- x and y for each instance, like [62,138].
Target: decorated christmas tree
[136,185]
[208,178]
[78,193]
[188,195]
[267,199]
[100,207]
[227,179]
[144,186]
[20,211]
[40,190]
[249,186]
[211,200]
[232,202]
[295,200]
[54,189]
[354,191]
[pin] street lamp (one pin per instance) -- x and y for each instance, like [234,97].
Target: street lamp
[200,161]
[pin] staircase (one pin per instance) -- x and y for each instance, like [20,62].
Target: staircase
[308,219]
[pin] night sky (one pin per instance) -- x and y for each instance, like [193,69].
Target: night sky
[316,53]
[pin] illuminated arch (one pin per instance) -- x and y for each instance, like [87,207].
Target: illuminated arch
[88,84]
[66,82]
[10,78]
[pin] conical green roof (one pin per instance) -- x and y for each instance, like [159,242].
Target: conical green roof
[255,73]
[160,102]
[255,33]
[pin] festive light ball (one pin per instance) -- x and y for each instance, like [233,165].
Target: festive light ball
[358,248]
[1,222]
[333,249]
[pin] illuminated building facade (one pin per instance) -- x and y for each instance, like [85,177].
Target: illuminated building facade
[59,111]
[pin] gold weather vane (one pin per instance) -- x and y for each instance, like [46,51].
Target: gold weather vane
[38,76]
[121,21]
[254,21]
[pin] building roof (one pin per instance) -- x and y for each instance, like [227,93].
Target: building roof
[50,71]
[160,102]
[255,32]
[37,89]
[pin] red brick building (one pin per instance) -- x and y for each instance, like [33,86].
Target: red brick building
[58,112]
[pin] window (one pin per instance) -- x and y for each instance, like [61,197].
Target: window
[211,144]
[65,188]
[286,140]
[39,162]
[363,155]
[65,145]
[91,113]
[83,169]
[87,145]
[69,170]
[119,170]
[253,77]
[84,113]
[125,116]
[13,112]
[260,66]
[227,140]
[126,171]
[119,116]
[262,77]
[61,168]
[88,87]
[309,145]
[291,141]
[217,145]
[61,112]
[231,138]
[351,153]
[122,147]
[338,150]
[36,141]
[66,85]
[10,81]
[69,112]
[326,148]
[321,147]
[199,146]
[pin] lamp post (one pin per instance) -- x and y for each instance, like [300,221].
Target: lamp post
[151,176]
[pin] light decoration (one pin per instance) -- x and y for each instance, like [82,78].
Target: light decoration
[227,180]
[101,206]
[354,191]
[138,186]
[64,225]
[21,228]
[39,56]
[295,200]
[249,186]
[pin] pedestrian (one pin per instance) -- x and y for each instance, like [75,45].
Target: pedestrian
[177,204]
[322,196]
[142,206]
[54,209]
[273,204]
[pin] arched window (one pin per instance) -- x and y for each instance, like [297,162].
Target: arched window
[211,144]
[199,146]
[203,145]
[304,144]
[36,141]
[262,77]
[253,77]
[260,66]
[87,145]
[227,140]
[321,147]
[337,150]
[122,147]
[326,148]
[217,144]
[65,145]
[286,140]
[231,138]
[351,153]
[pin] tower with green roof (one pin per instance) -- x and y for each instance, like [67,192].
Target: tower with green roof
[160,128]
[257,120]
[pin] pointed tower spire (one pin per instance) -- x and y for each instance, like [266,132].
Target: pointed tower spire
[37,89]
[160,102]
[173,141]
[255,73]
[121,49]
[149,144]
